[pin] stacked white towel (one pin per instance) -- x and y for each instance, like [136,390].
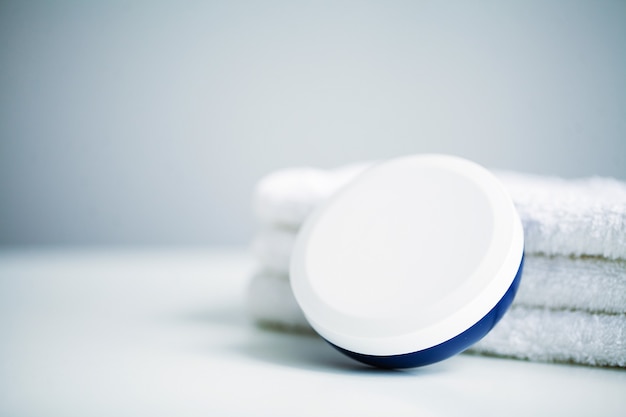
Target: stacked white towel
[571,305]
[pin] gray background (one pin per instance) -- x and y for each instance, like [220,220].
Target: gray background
[139,123]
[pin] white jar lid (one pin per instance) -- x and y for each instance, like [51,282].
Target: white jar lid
[409,255]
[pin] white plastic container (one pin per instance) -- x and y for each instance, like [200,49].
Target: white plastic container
[411,263]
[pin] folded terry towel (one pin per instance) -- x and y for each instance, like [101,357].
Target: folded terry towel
[562,282]
[570,217]
[560,217]
[536,334]
[566,283]
[558,336]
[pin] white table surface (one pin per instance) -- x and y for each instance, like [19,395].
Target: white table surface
[165,333]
